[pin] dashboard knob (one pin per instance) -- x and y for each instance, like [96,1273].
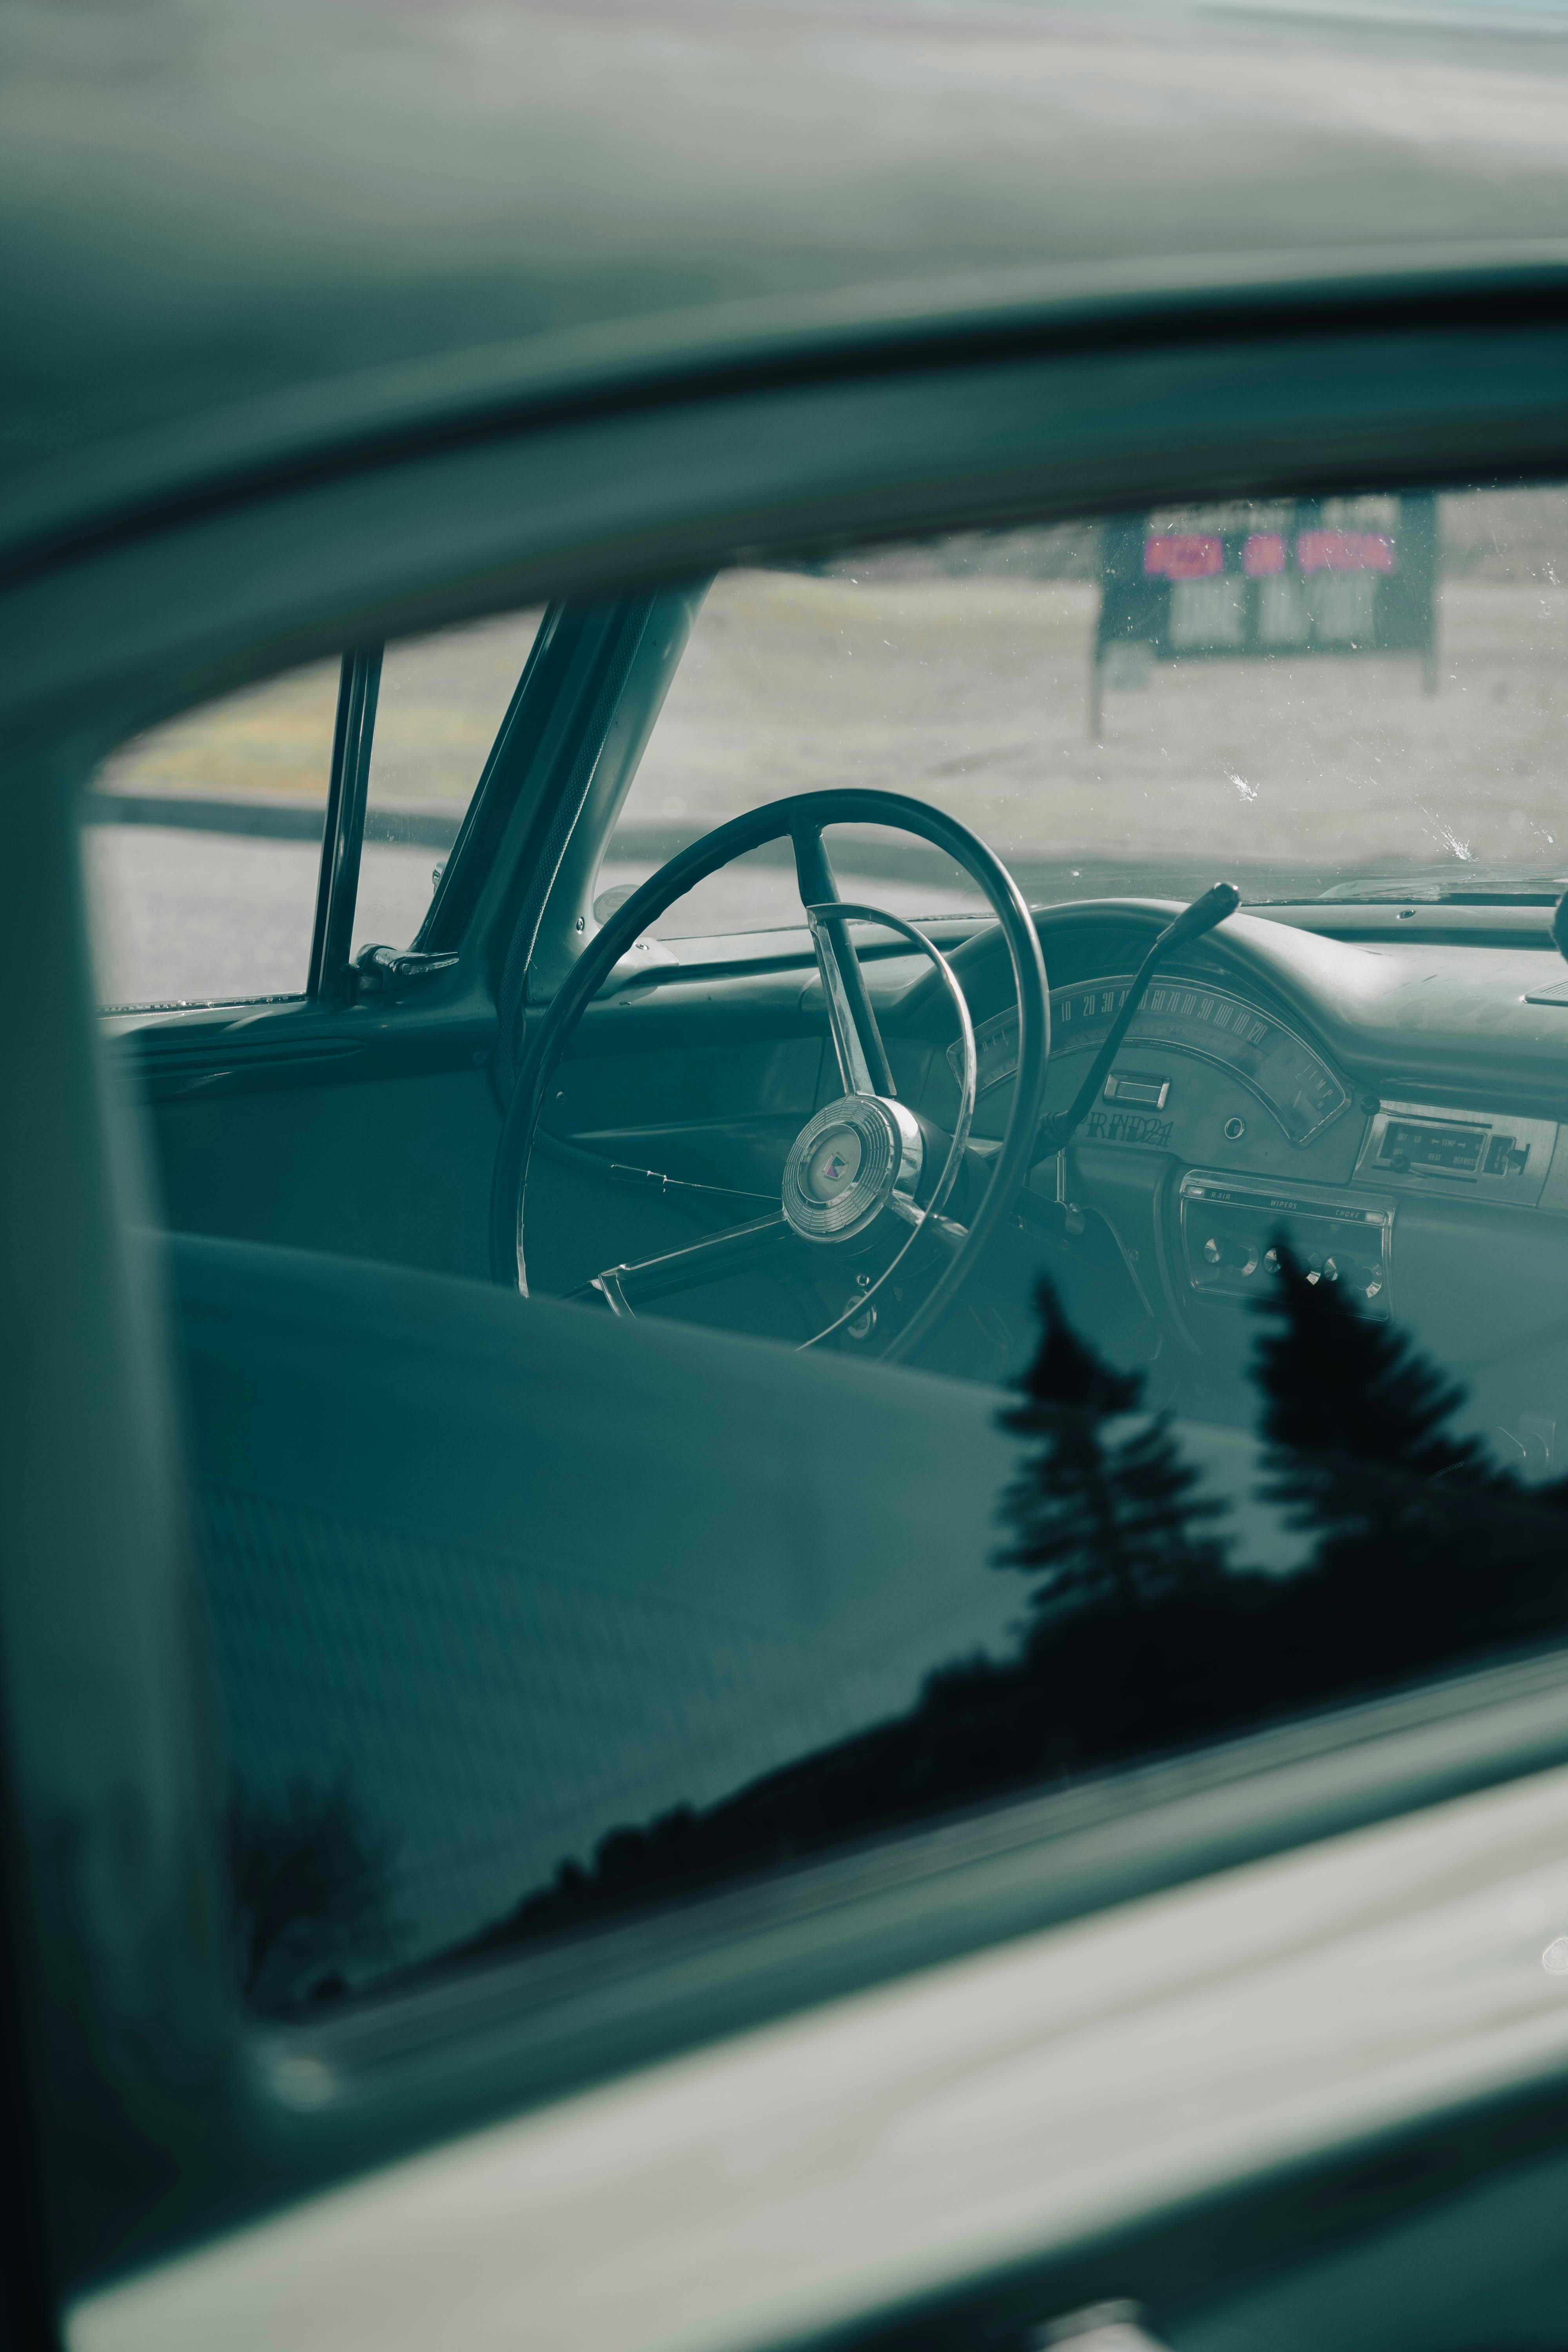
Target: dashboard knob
[1242,1255]
[1356,1274]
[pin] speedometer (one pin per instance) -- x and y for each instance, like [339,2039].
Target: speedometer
[1292,1081]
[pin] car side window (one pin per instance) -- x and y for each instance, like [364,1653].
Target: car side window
[439,708]
[203,840]
[202,848]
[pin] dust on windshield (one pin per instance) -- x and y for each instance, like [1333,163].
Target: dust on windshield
[1359,696]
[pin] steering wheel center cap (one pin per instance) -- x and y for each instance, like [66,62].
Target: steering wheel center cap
[846,1165]
[834,1164]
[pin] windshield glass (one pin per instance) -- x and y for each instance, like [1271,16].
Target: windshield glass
[1364,695]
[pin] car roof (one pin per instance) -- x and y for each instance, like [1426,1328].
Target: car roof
[238,228]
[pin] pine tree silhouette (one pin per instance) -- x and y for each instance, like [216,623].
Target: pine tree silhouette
[309,1885]
[1356,1420]
[1424,1546]
[1138,1642]
[1096,1517]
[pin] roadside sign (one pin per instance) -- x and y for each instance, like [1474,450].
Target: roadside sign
[1267,581]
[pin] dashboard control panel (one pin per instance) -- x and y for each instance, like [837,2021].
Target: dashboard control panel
[1231,1227]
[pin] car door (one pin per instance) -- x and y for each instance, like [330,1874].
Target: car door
[164,2116]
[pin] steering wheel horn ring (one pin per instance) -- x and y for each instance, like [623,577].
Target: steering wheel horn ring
[848,1164]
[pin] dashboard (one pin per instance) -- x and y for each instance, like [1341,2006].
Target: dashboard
[1385,1086]
[1395,1107]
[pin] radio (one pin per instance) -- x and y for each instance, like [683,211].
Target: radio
[1481,1155]
[1231,1226]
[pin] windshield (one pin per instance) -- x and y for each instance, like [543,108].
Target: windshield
[1360,697]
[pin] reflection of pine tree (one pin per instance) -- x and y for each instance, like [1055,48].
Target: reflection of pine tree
[309,1883]
[1427,1554]
[1098,1516]
[1356,1420]
[1425,1549]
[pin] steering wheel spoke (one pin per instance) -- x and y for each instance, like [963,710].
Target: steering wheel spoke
[863,1065]
[947,1231]
[834,954]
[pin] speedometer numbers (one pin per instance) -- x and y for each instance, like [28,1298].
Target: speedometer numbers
[1293,1082]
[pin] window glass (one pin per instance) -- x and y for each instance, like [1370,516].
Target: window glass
[1256,1399]
[1310,695]
[441,703]
[203,847]
[204,837]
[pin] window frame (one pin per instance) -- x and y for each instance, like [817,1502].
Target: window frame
[330,975]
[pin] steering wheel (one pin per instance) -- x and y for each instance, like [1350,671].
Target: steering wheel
[859,1177]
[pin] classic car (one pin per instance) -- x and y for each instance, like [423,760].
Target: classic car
[786,1175]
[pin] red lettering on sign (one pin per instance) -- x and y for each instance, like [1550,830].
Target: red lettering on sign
[1344,551]
[1264,553]
[1184,555]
